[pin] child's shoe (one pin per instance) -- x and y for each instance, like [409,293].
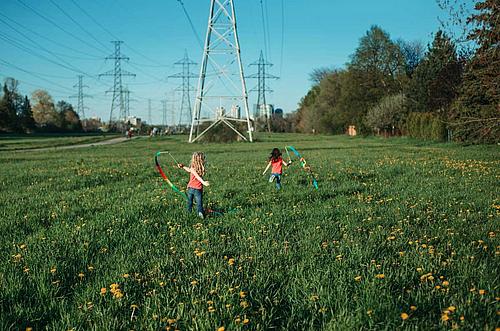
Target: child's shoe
[200,215]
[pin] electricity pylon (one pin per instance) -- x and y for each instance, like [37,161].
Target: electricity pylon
[227,88]
[80,108]
[185,88]
[118,101]
[149,112]
[164,113]
[263,108]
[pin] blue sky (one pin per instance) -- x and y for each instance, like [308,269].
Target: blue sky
[156,33]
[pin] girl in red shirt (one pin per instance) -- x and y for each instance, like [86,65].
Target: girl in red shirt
[196,182]
[276,163]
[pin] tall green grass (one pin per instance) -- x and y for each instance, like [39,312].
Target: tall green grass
[400,235]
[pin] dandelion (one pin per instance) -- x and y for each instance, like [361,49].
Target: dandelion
[53,270]
[126,275]
[314,298]
[103,290]
[404,316]
[23,246]
[452,308]
[230,261]
[81,275]
[419,270]
[445,317]
[357,278]
[29,328]
[380,276]
[171,320]
[211,309]
[446,283]
[244,304]
[237,320]
[242,294]
[194,282]
[482,292]
[246,321]
[413,308]
[221,328]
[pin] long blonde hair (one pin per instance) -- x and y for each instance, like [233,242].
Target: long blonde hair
[198,163]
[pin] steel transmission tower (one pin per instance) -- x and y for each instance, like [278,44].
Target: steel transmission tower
[185,88]
[263,109]
[80,96]
[226,88]
[118,101]
[149,112]
[164,113]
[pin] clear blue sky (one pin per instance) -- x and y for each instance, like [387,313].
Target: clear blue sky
[156,32]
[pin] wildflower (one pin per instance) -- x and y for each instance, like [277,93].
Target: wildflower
[246,321]
[29,328]
[404,316]
[221,328]
[244,304]
[23,246]
[413,308]
[103,290]
[211,309]
[482,292]
[314,298]
[171,320]
[194,282]
[242,294]
[369,312]
[237,320]
[81,275]
[446,283]
[322,310]
[230,261]
[118,294]
[452,308]
[53,270]
[419,269]
[380,276]
[445,317]
[357,278]
[126,275]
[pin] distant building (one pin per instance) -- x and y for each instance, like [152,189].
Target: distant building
[351,131]
[236,111]
[278,112]
[134,121]
[263,110]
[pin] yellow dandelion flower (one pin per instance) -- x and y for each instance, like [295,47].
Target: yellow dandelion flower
[380,276]
[118,294]
[221,328]
[445,317]
[81,275]
[103,290]
[446,283]
[452,308]
[194,282]
[126,275]
[404,316]
[246,321]
[419,270]
[171,320]
[369,312]
[23,246]
[314,298]
[244,304]
[29,329]
[228,306]
[357,278]
[413,308]
[53,270]
[482,292]
[211,309]
[114,286]
[237,320]
[462,317]
[230,261]
[242,294]
[322,310]
[134,306]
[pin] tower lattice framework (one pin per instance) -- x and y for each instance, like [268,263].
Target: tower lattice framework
[221,91]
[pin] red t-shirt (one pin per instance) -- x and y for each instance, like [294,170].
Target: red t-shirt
[277,166]
[194,182]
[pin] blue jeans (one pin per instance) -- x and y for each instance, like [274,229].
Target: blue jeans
[197,195]
[276,177]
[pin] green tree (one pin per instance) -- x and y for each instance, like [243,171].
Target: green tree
[476,115]
[26,120]
[8,106]
[70,120]
[437,79]
[388,115]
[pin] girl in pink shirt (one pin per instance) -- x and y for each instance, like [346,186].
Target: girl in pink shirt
[276,163]
[196,182]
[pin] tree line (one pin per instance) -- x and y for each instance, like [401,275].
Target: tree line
[21,114]
[396,87]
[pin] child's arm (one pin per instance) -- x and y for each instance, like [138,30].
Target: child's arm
[195,174]
[268,165]
[286,164]
[182,166]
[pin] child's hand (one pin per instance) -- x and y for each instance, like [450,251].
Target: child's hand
[180,166]
[290,162]
[207,183]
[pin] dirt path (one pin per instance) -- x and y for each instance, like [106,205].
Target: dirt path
[98,143]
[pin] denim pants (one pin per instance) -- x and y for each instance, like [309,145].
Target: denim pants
[276,177]
[197,195]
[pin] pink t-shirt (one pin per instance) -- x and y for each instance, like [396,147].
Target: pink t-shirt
[194,183]
[277,166]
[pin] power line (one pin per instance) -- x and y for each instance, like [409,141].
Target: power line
[282,35]
[78,24]
[197,36]
[57,25]
[92,56]
[33,74]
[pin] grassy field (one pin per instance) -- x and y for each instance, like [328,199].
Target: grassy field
[16,142]
[400,235]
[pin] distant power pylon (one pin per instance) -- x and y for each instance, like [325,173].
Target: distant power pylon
[263,109]
[172,106]
[164,113]
[118,101]
[149,112]
[227,88]
[185,88]
[80,96]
